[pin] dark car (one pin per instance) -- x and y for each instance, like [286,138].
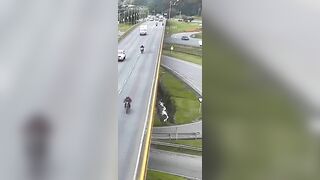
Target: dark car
[184,38]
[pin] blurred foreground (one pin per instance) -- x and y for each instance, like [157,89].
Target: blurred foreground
[56,90]
[262,93]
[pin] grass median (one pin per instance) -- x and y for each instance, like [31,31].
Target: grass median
[195,142]
[126,28]
[123,27]
[184,100]
[183,56]
[183,52]
[178,150]
[189,142]
[174,27]
[156,175]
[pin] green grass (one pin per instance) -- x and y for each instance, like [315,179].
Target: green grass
[156,119]
[257,128]
[184,49]
[183,56]
[156,175]
[195,142]
[174,26]
[186,102]
[124,27]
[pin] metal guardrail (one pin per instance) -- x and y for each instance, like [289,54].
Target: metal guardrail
[169,135]
[145,154]
[181,146]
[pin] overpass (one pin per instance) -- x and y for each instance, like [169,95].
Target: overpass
[137,78]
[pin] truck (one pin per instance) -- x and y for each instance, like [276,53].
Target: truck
[143,30]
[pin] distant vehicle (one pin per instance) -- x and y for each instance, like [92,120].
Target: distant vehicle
[143,30]
[165,14]
[141,49]
[156,23]
[127,104]
[160,20]
[121,55]
[157,19]
[184,38]
[200,42]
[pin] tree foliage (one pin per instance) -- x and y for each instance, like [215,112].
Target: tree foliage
[187,7]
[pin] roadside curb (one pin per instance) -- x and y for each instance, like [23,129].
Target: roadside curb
[146,151]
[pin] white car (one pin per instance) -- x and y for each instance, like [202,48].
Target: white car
[200,42]
[121,55]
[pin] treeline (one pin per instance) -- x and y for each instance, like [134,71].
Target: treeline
[187,7]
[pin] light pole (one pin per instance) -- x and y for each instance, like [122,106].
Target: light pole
[170,3]
[170,7]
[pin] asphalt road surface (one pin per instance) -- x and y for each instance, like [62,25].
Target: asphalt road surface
[135,77]
[185,165]
[176,39]
[189,72]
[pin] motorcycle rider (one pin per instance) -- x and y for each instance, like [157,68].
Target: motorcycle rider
[128,100]
[141,48]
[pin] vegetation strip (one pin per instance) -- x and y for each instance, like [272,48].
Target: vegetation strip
[175,145]
[185,102]
[128,31]
[184,57]
[157,175]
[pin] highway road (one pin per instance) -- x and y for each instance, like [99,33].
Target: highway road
[176,39]
[189,72]
[135,78]
[189,166]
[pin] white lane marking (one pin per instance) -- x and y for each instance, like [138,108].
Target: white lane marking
[149,101]
[128,77]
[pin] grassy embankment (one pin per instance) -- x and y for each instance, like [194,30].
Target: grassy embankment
[126,28]
[173,27]
[156,175]
[187,53]
[184,99]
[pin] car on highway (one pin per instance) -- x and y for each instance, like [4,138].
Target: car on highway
[121,55]
[143,30]
[200,42]
[184,38]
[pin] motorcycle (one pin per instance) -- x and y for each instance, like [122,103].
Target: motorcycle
[127,107]
[141,50]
